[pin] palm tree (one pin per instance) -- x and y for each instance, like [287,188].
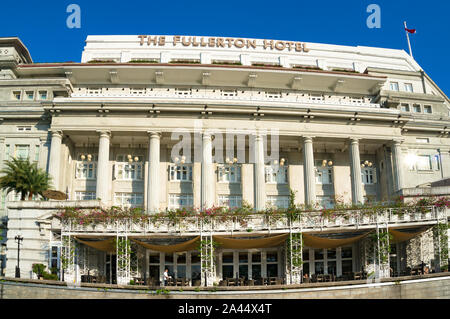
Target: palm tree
[22,176]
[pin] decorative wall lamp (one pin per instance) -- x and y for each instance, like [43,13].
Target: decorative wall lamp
[366,163]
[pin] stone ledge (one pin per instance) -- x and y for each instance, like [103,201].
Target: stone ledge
[443,275]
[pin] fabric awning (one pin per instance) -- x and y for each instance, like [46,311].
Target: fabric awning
[186,246]
[399,236]
[322,242]
[228,243]
[103,245]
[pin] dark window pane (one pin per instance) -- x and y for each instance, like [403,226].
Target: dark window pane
[227,271]
[243,271]
[195,257]
[318,254]
[168,258]
[306,268]
[195,272]
[331,265]
[154,258]
[331,253]
[181,258]
[306,254]
[154,272]
[318,267]
[227,257]
[272,256]
[170,268]
[272,270]
[346,252]
[256,271]
[256,257]
[54,251]
[54,263]
[243,258]
[181,271]
[347,266]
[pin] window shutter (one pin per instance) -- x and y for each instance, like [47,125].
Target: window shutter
[374,175]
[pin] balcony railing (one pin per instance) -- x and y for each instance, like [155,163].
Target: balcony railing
[305,222]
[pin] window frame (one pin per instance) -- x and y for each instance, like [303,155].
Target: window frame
[272,177]
[226,170]
[180,172]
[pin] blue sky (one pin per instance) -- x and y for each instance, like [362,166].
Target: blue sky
[41,25]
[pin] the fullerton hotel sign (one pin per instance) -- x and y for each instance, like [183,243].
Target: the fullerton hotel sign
[217,42]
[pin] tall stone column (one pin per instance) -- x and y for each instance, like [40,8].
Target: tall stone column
[55,158]
[260,181]
[103,178]
[308,171]
[397,165]
[355,172]
[207,172]
[153,172]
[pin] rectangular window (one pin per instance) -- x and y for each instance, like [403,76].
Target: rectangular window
[423,163]
[17,95]
[42,95]
[229,173]
[22,151]
[325,202]
[36,153]
[29,95]
[416,108]
[129,199]
[324,175]
[230,201]
[86,170]
[85,195]
[368,176]
[129,169]
[278,201]
[180,201]
[276,175]
[181,173]
[405,107]
[409,87]
[272,263]
[394,86]
[437,162]
[427,109]
[24,128]
[7,152]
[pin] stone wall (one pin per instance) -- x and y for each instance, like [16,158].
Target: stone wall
[432,286]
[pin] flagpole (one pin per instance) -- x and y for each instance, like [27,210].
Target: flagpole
[409,43]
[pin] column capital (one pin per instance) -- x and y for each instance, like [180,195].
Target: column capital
[353,140]
[56,133]
[154,134]
[104,133]
[307,138]
[397,141]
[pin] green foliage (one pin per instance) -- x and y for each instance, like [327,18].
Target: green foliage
[442,232]
[297,252]
[383,248]
[39,270]
[243,214]
[24,177]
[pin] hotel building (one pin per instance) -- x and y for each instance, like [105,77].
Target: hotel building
[166,122]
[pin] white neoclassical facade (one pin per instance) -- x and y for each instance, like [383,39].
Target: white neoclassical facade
[168,122]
